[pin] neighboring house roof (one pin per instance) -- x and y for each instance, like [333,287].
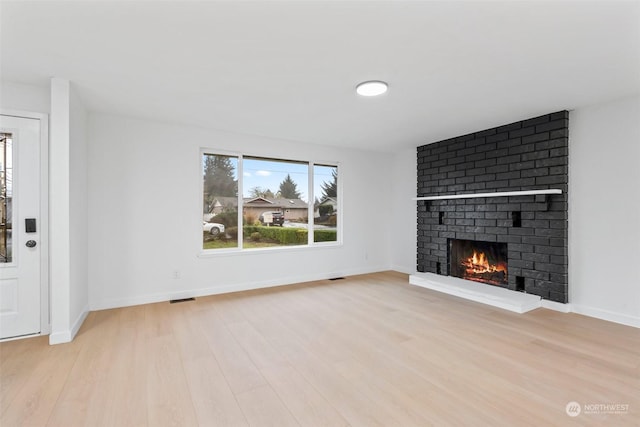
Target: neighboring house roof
[329,201]
[226,201]
[275,203]
[293,203]
[256,201]
[260,202]
[223,202]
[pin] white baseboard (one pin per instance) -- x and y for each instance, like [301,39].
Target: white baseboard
[403,269]
[62,337]
[610,316]
[79,321]
[556,306]
[224,289]
[59,337]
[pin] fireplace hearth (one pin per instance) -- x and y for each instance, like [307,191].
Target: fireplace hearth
[479,261]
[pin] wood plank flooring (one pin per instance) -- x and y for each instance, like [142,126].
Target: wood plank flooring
[369,350]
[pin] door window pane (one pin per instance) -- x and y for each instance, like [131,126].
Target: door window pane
[6,197]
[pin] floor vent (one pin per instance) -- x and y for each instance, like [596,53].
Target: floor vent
[174,301]
[337,278]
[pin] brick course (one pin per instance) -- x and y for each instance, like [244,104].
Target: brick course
[527,155]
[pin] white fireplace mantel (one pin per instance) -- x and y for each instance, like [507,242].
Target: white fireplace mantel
[495,194]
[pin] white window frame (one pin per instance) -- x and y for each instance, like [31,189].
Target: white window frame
[310,206]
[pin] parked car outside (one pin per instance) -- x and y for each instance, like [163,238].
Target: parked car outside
[212,228]
[271,218]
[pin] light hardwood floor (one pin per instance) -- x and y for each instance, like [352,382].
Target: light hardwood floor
[369,350]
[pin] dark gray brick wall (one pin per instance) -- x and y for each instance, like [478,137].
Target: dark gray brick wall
[527,155]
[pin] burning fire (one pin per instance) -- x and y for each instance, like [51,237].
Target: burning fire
[478,264]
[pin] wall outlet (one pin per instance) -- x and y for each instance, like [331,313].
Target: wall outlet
[176,274]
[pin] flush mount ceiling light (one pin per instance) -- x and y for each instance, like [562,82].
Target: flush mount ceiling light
[371,88]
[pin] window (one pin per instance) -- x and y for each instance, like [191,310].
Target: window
[278,203]
[325,220]
[220,201]
[275,204]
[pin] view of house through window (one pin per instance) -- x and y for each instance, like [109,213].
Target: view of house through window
[274,203]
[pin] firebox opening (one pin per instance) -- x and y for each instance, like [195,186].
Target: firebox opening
[479,261]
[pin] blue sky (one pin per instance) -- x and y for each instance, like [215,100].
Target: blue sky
[268,174]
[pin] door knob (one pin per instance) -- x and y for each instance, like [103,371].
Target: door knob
[31,243]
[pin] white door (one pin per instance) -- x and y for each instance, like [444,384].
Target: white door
[20,227]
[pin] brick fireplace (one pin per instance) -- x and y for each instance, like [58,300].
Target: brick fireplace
[531,229]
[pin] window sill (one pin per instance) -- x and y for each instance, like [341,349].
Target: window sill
[212,253]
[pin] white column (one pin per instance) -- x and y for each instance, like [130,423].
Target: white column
[60,262]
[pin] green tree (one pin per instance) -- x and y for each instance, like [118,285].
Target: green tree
[325,210]
[330,189]
[289,189]
[260,192]
[219,178]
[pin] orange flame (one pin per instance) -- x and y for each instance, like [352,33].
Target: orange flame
[478,263]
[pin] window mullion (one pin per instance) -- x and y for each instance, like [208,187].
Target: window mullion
[240,202]
[310,206]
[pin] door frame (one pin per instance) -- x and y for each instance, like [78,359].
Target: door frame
[45,311]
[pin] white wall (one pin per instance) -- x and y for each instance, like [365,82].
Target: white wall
[403,216]
[145,215]
[22,97]
[604,211]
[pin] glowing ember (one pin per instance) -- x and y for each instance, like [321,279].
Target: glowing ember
[479,264]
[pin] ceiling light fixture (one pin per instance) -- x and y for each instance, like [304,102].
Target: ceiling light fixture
[371,88]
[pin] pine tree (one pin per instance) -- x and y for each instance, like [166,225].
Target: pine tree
[330,189]
[219,180]
[289,189]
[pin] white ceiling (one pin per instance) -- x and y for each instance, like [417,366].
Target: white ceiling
[288,69]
